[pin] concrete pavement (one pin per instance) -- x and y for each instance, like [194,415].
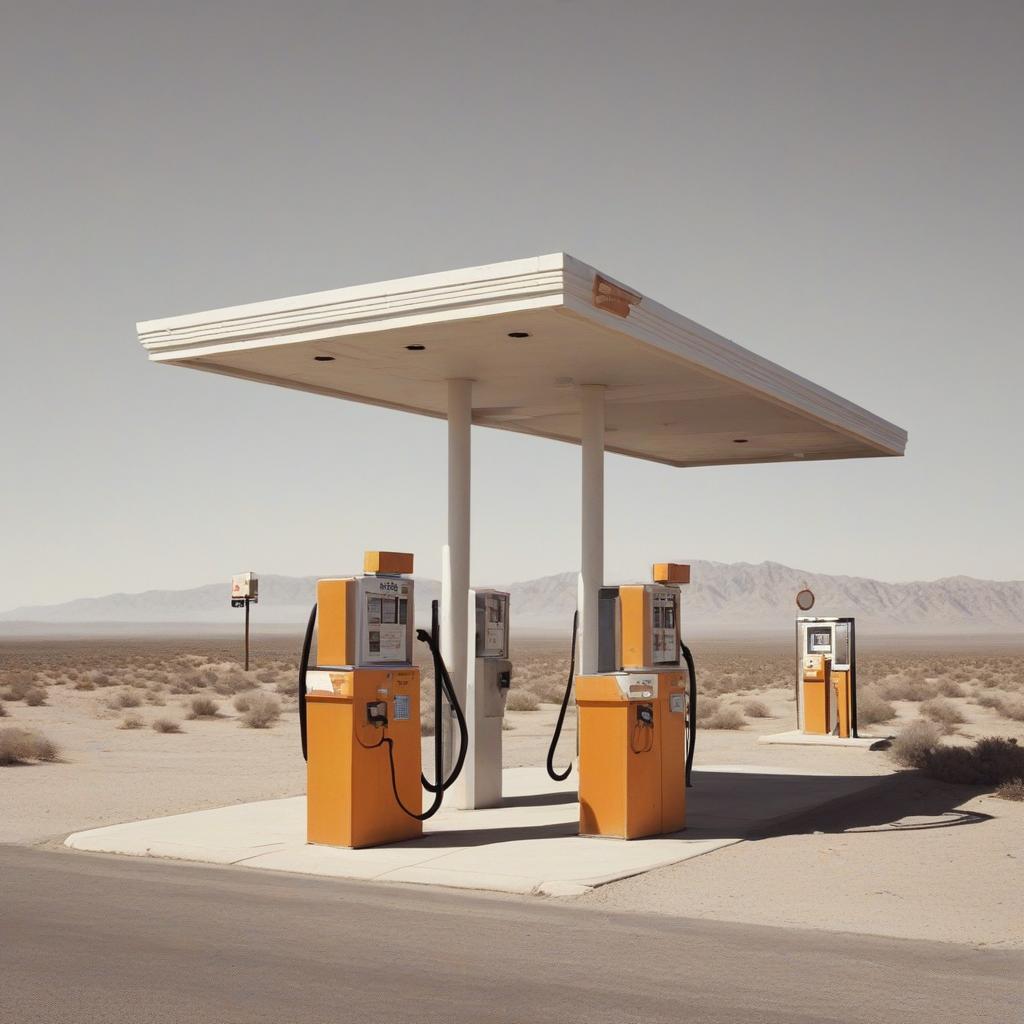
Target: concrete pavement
[529,845]
[104,940]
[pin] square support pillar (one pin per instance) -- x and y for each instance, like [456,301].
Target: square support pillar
[455,560]
[591,522]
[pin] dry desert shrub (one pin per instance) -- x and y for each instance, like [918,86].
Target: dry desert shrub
[724,718]
[521,700]
[203,707]
[1002,704]
[22,686]
[3,711]
[547,687]
[84,684]
[873,709]
[131,720]
[124,699]
[21,746]
[943,712]
[915,743]
[1012,709]
[1011,790]
[166,725]
[990,699]
[189,683]
[261,710]
[706,707]
[234,682]
[912,686]
[756,709]
[991,761]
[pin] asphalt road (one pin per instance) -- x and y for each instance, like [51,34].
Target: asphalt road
[101,939]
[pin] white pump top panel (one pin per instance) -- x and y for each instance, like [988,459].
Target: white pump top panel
[528,332]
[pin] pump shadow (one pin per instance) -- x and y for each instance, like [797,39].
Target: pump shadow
[467,837]
[541,799]
[904,802]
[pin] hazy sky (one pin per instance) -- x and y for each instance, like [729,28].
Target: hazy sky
[834,185]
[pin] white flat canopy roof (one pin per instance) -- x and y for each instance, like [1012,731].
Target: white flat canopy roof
[676,392]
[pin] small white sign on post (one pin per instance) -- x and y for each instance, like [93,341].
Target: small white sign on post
[245,585]
[245,590]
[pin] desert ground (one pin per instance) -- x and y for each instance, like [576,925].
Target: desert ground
[98,731]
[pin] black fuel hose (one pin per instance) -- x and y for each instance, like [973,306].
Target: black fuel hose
[688,658]
[307,645]
[440,676]
[441,673]
[557,734]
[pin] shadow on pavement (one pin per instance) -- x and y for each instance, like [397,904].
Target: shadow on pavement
[905,802]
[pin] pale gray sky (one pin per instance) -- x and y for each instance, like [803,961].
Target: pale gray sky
[834,185]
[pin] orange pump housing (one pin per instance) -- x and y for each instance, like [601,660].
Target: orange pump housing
[816,695]
[826,698]
[632,776]
[350,800]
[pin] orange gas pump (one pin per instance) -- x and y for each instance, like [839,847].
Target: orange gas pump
[359,710]
[635,716]
[827,677]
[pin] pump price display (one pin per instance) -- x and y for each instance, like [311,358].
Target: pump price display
[664,632]
[386,621]
[494,625]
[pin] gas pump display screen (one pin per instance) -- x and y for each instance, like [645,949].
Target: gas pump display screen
[819,641]
[387,616]
[664,629]
[492,631]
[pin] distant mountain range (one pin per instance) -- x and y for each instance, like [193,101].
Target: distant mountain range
[722,596]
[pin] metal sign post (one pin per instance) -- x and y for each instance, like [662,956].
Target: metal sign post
[245,591]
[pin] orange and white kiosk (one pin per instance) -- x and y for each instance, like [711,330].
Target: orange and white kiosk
[826,690]
[635,735]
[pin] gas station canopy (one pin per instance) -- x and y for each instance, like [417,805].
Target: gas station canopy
[528,333]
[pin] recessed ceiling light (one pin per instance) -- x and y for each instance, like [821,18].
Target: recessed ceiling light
[740,440]
[415,348]
[324,359]
[518,334]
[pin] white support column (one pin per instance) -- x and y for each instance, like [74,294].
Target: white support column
[455,561]
[591,522]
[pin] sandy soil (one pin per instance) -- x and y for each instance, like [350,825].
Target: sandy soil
[921,860]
